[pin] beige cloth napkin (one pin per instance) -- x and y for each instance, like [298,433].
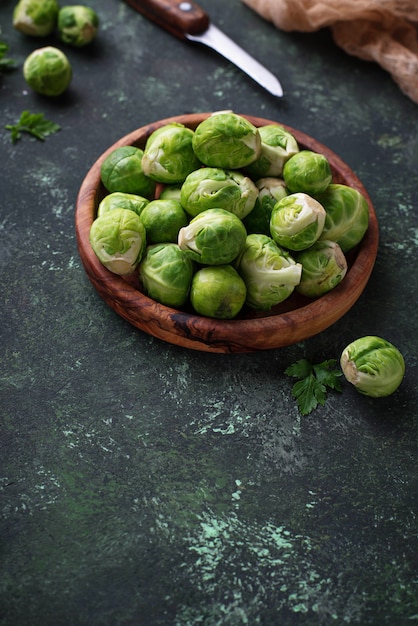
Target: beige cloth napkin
[384,31]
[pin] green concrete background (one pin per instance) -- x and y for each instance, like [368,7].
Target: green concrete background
[144,484]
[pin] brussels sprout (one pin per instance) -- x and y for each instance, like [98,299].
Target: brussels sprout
[120,200]
[297,221]
[171,192]
[218,291]
[166,274]
[77,25]
[47,71]
[373,365]
[214,237]
[270,191]
[277,146]
[216,188]
[168,154]
[226,140]
[347,215]
[36,17]
[270,273]
[122,171]
[163,219]
[323,268]
[118,239]
[307,171]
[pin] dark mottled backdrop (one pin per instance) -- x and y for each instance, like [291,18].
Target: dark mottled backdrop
[144,484]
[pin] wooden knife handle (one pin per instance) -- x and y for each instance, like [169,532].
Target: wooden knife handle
[179,17]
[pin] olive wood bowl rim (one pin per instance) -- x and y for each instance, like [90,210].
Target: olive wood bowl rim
[189,330]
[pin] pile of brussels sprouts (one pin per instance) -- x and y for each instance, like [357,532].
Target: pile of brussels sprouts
[226,215]
[47,70]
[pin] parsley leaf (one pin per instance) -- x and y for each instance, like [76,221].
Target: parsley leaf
[314,381]
[5,63]
[33,123]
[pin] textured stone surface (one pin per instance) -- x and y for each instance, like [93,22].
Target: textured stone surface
[144,484]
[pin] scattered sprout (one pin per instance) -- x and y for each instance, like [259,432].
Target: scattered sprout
[122,171]
[323,268]
[77,25]
[226,140]
[166,273]
[270,273]
[120,200]
[307,171]
[163,219]
[37,18]
[270,191]
[297,221]
[277,146]
[47,71]
[373,365]
[118,239]
[214,237]
[347,215]
[168,154]
[218,291]
[216,188]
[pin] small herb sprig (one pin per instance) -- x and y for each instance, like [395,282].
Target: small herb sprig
[313,384]
[5,62]
[34,124]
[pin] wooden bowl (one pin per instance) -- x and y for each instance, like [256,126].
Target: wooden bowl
[296,319]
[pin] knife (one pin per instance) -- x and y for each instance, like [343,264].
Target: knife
[187,20]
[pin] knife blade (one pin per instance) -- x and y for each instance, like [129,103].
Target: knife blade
[185,19]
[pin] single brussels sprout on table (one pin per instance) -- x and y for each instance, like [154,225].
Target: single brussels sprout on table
[47,71]
[323,268]
[122,171]
[166,273]
[37,18]
[347,215]
[373,365]
[168,154]
[277,146]
[270,273]
[218,291]
[214,237]
[307,171]
[163,219]
[77,25]
[270,190]
[216,188]
[121,200]
[297,221]
[118,239]
[226,140]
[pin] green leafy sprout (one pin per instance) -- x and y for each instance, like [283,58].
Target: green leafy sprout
[34,124]
[313,384]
